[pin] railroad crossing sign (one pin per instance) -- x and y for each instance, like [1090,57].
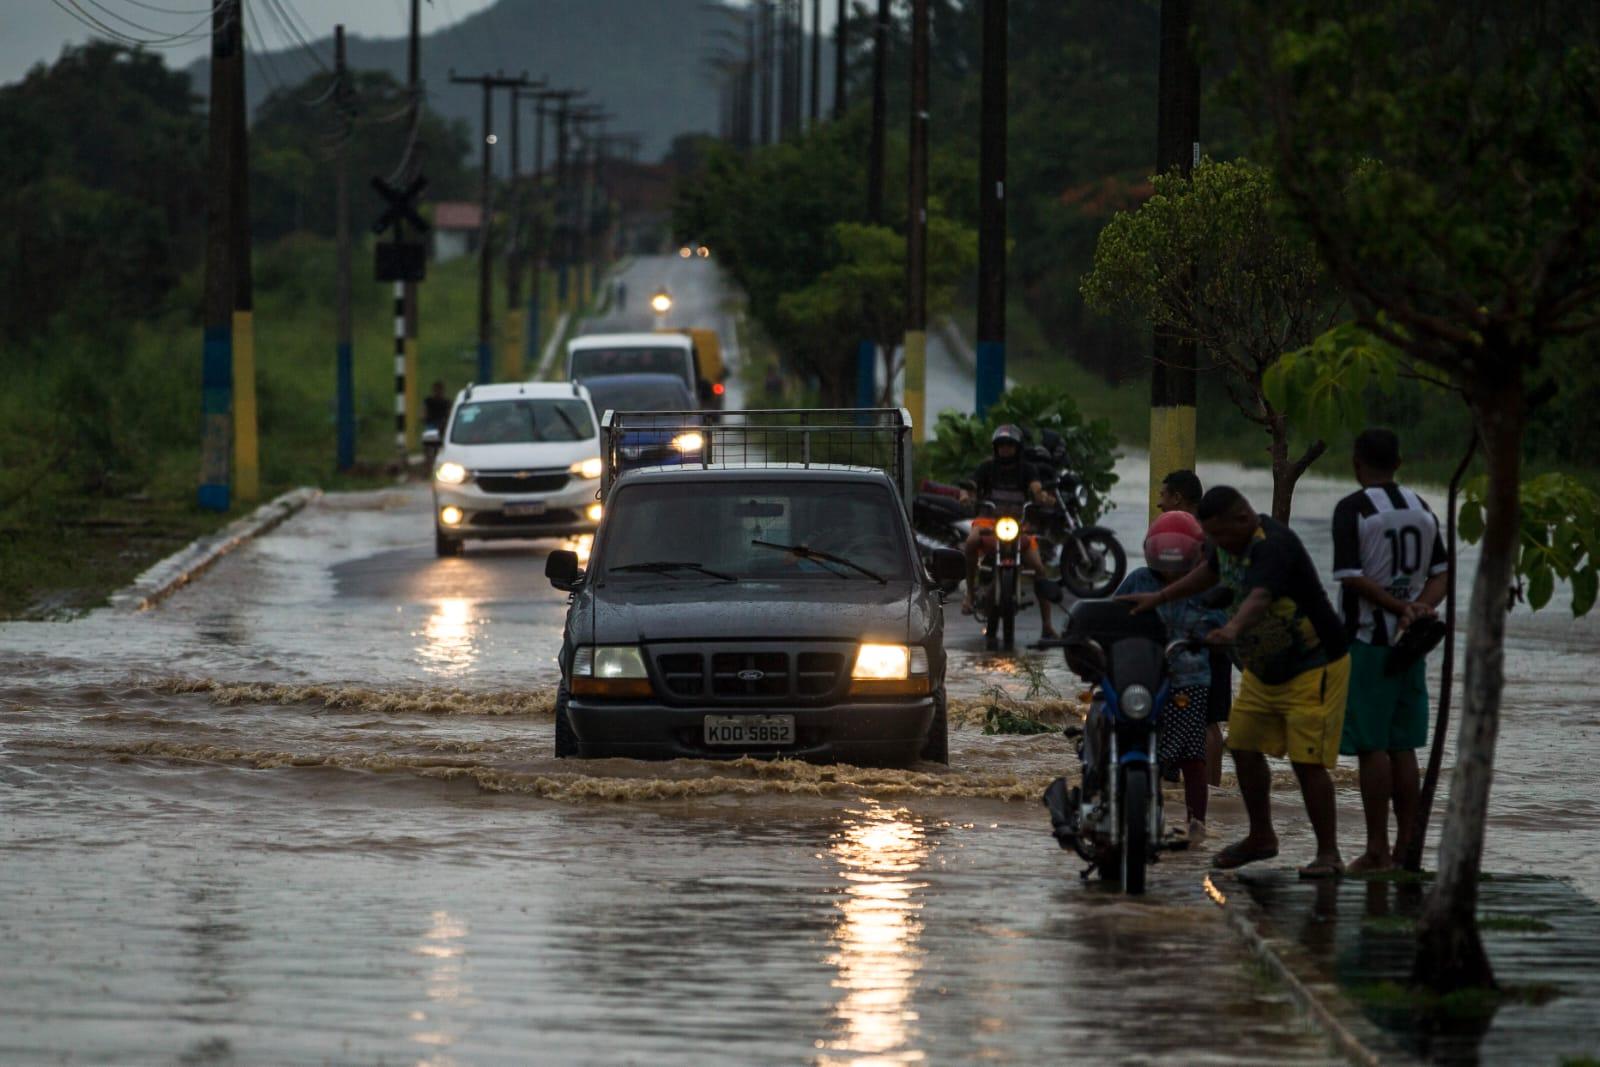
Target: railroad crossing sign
[400,260]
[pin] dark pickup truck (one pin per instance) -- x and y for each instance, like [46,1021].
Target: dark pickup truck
[766,601]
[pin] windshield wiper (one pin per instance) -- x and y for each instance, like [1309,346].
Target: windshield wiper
[816,555]
[666,566]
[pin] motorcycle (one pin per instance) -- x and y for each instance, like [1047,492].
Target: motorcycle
[999,593]
[1113,817]
[1092,561]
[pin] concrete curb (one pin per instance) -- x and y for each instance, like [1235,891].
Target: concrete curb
[552,347]
[179,569]
[1356,1038]
[950,333]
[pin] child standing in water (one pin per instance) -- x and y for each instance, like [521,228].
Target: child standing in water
[1173,546]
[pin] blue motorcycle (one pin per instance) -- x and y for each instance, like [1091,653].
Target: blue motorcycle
[1113,817]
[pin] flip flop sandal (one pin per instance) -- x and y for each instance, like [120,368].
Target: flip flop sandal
[1317,871]
[1235,856]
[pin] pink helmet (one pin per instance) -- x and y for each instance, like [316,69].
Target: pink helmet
[1174,544]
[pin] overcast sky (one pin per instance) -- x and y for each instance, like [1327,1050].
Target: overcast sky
[36,30]
[32,31]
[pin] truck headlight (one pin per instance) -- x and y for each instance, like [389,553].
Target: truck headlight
[1136,702]
[448,473]
[1007,529]
[691,441]
[889,670]
[609,671]
[587,468]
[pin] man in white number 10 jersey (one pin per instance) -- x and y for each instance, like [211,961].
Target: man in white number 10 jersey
[1390,561]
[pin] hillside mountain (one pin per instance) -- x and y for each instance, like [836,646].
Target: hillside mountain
[646,61]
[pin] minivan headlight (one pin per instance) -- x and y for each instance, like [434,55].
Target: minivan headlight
[587,468]
[449,473]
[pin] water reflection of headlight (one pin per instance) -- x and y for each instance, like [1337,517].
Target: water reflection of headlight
[877,955]
[449,638]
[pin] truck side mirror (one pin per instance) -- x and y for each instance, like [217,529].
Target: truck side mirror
[947,567]
[561,567]
[432,436]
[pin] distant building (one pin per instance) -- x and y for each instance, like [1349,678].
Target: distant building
[456,229]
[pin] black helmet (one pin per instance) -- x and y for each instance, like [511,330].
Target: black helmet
[1006,432]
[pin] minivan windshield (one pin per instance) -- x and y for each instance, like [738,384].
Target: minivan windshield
[520,421]
[653,393]
[715,525]
[633,359]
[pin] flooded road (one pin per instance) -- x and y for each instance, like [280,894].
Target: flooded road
[305,811]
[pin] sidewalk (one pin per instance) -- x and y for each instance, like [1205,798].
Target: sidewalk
[1351,942]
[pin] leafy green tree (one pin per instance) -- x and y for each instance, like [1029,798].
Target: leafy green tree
[1206,259]
[864,294]
[961,442]
[296,131]
[1446,160]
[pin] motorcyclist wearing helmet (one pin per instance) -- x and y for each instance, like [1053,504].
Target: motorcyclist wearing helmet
[1174,546]
[1009,481]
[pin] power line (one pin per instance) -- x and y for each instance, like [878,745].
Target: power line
[82,16]
[148,29]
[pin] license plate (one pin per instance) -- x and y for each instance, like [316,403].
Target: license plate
[525,509]
[749,729]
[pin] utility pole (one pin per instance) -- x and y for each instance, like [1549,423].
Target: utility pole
[816,60]
[216,367]
[764,18]
[880,111]
[511,351]
[488,83]
[246,442]
[841,57]
[991,370]
[408,417]
[787,90]
[867,349]
[1172,378]
[344,362]
[916,343]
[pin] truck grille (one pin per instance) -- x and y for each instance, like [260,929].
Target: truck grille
[522,481]
[745,675]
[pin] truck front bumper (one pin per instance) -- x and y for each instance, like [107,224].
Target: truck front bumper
[868,732]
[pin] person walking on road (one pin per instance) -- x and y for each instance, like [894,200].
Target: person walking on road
[1391,565]
[1292,647]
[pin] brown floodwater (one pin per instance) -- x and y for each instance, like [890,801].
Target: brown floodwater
[306,812]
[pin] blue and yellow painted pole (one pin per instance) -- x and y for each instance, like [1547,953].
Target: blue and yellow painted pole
[866,374]
[246,442]
[216,435]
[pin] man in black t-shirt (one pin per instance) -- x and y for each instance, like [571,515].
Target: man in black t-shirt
[1292,647]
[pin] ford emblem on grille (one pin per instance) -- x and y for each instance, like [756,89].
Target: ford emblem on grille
[751,675]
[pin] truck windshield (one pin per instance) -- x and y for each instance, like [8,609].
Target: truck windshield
[521,421]
[715,524]
[653,359]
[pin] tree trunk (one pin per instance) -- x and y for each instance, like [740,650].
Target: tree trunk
[1286,475]
[1412,860]
[1450,953]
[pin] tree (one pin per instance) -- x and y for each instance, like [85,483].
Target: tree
[1445,158]
[1206,259]
[864,294]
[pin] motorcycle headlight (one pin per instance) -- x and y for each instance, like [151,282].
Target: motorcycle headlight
[587,468]
[1136,702]
[691,441]
[450,473]
[1007,529]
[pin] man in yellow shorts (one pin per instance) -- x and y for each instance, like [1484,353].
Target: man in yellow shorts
[1292,646]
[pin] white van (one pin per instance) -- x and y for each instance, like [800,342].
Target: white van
[603,355]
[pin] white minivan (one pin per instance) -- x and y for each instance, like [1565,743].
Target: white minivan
[516,460]
[602,355]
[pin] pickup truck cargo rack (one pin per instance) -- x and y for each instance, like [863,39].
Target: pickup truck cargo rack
[775,437]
